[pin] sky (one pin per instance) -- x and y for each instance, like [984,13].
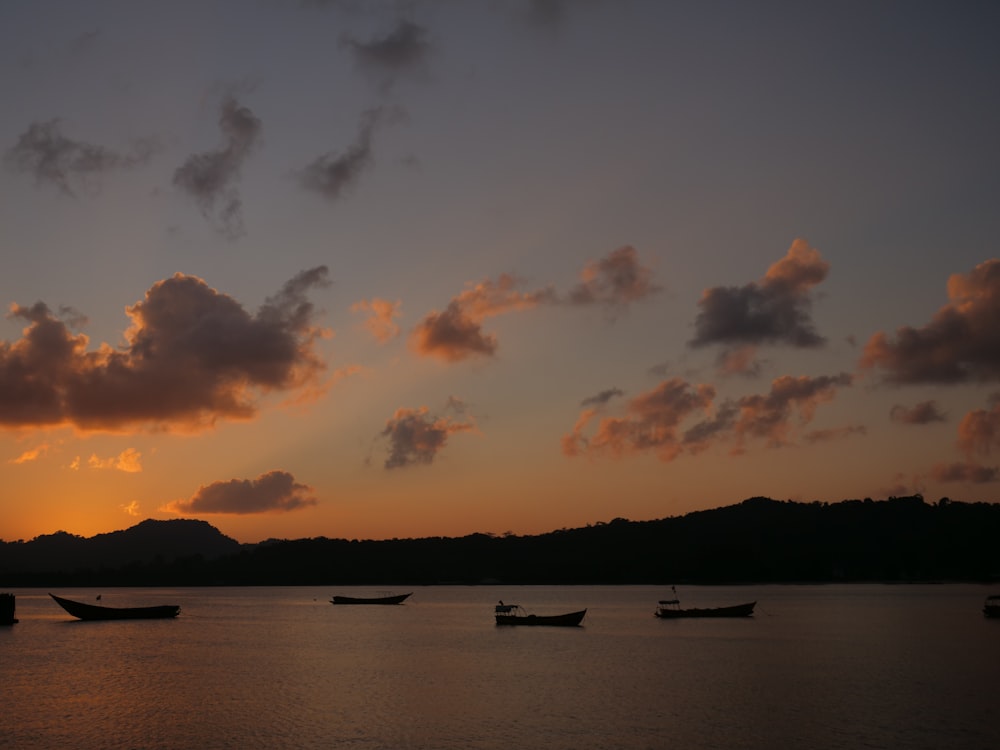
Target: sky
[378,269]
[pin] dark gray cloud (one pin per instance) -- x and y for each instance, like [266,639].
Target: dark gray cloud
[52,158]
[273,492]
[925,412]
[603,397]
[211,177]
[404,49]
[332,174]
[192,356]
[416,436]
[960,344]
[775,310]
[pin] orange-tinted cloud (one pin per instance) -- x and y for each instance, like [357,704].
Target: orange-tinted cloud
[273,492]
[192,355]
[456,333]
[925,412]
[651,424]
[834,433]
[653,420]
[774,310]
[32,454]
[381,320]
[960,344]
[129,461]
[979,430]
[616,279]
[416,436]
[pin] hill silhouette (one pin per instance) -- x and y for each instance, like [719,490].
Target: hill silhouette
[759,540]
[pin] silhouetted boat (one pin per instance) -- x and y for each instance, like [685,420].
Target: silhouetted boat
[394,599]
[670,609]
[513,614]
[7,607]
[991,607]
[94,612]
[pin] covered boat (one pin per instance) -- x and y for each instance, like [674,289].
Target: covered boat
[513,614]
[670,609]
[991,607]
[85,611]
[392,599]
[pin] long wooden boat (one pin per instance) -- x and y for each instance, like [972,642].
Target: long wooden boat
[95,612]
[670,609]
[513,614]
[394,599]
[991,607]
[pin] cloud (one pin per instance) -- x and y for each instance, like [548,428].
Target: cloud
[979,430]
[456,333]
[129,461]
[273,492]
[774,310]
[653,420]
[404,49]
[960,344]
[381,320]
[651,423]
[32,454]
[416,437]
[332,174]
[603,397]
[964,472]
[615,280]
[132,509]
[43,152]
[210,177]
[192,356]
[925,412]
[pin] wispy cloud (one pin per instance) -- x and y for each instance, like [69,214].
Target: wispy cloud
[129,461]
[615,280]
[69,165]
[403,50]
[273,492]
[211,177]
[381,320]
[332,174]
[192,355]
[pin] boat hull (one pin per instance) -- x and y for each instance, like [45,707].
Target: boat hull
[737,610]
[83,611]
[396,599]
[570,619]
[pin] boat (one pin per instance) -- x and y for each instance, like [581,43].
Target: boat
[85,611]
[393,599]
[991,607]
[7,606]
[514,614]
[670,609]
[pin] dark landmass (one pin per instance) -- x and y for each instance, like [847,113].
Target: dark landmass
[757,541]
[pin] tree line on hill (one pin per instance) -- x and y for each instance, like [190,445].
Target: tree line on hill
[757,541]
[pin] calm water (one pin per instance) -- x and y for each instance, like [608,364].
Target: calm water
[817,667]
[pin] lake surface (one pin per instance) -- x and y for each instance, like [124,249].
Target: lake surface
[839,666]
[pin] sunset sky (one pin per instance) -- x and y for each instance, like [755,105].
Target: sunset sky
[362,269]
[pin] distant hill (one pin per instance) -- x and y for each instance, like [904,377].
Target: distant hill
[162,542]
[758,540]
